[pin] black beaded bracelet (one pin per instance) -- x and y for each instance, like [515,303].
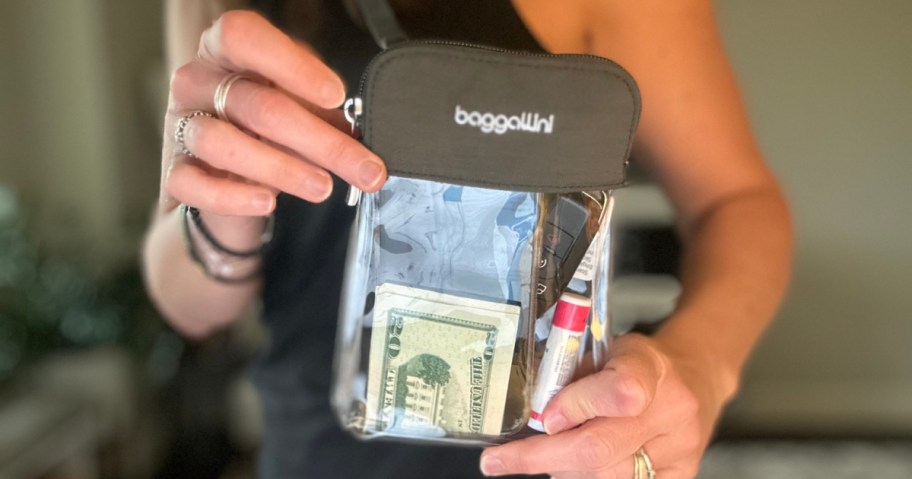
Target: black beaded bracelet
[226,259]
[265,238]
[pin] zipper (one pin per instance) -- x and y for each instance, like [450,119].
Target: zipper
[475,46]
[353,107]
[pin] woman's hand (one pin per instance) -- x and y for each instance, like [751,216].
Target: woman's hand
[648,395]
[285,131]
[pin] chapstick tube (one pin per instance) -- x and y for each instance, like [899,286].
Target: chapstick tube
[561,353]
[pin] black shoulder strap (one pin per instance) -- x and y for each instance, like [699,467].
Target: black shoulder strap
[381,22]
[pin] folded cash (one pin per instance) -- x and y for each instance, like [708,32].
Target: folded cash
[439,363]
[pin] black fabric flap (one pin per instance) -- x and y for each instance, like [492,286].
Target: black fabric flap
[509,120]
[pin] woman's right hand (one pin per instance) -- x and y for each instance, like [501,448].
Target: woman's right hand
[286,131]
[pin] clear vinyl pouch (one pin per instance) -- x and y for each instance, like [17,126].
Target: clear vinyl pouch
[491,233]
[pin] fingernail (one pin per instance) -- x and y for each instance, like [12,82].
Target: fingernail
[556,423]
[370,173]
[491,465]
[319,187]
[263,202]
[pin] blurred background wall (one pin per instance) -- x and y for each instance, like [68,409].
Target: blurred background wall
[827,83]
[81,84]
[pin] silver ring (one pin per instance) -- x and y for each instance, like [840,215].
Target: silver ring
[642,464]
[221,95]
[182,124]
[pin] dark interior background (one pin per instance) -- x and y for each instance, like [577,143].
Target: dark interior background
[93,384]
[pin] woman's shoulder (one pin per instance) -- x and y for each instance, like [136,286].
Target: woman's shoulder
[560,27]
[594,26]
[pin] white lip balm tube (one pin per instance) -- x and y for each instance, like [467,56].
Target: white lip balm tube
[561,353]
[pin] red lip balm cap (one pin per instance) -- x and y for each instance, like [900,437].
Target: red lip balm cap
[571,312]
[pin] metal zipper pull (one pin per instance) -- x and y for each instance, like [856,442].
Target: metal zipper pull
[353,108]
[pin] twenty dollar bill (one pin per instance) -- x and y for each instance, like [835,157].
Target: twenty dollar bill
[439,363]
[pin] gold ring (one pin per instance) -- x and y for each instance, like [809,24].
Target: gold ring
[643,464]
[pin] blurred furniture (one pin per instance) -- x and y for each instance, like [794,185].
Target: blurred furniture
[645,288]
[77,415]
[808,460]
[43,435]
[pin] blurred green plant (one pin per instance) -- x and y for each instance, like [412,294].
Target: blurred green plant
[47,304]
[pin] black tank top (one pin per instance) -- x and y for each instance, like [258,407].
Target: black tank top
[303,272]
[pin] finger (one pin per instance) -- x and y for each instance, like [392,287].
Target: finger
[223,146]
[621,470]
[585,367]
[192,185]
[677,473]
[667,460]
[597,445]
[282,121]
[624,388]
[680,450]
[244,41]
[333,116]
[193,87]
[275,116]
[671,457]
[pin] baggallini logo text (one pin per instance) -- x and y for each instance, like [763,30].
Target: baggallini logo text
[500,123]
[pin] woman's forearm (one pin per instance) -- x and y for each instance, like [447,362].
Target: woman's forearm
[192,302]
[735,270]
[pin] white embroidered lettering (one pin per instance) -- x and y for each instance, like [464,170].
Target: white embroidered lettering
[501,123]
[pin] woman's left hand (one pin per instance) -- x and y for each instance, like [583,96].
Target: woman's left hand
[649,395]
